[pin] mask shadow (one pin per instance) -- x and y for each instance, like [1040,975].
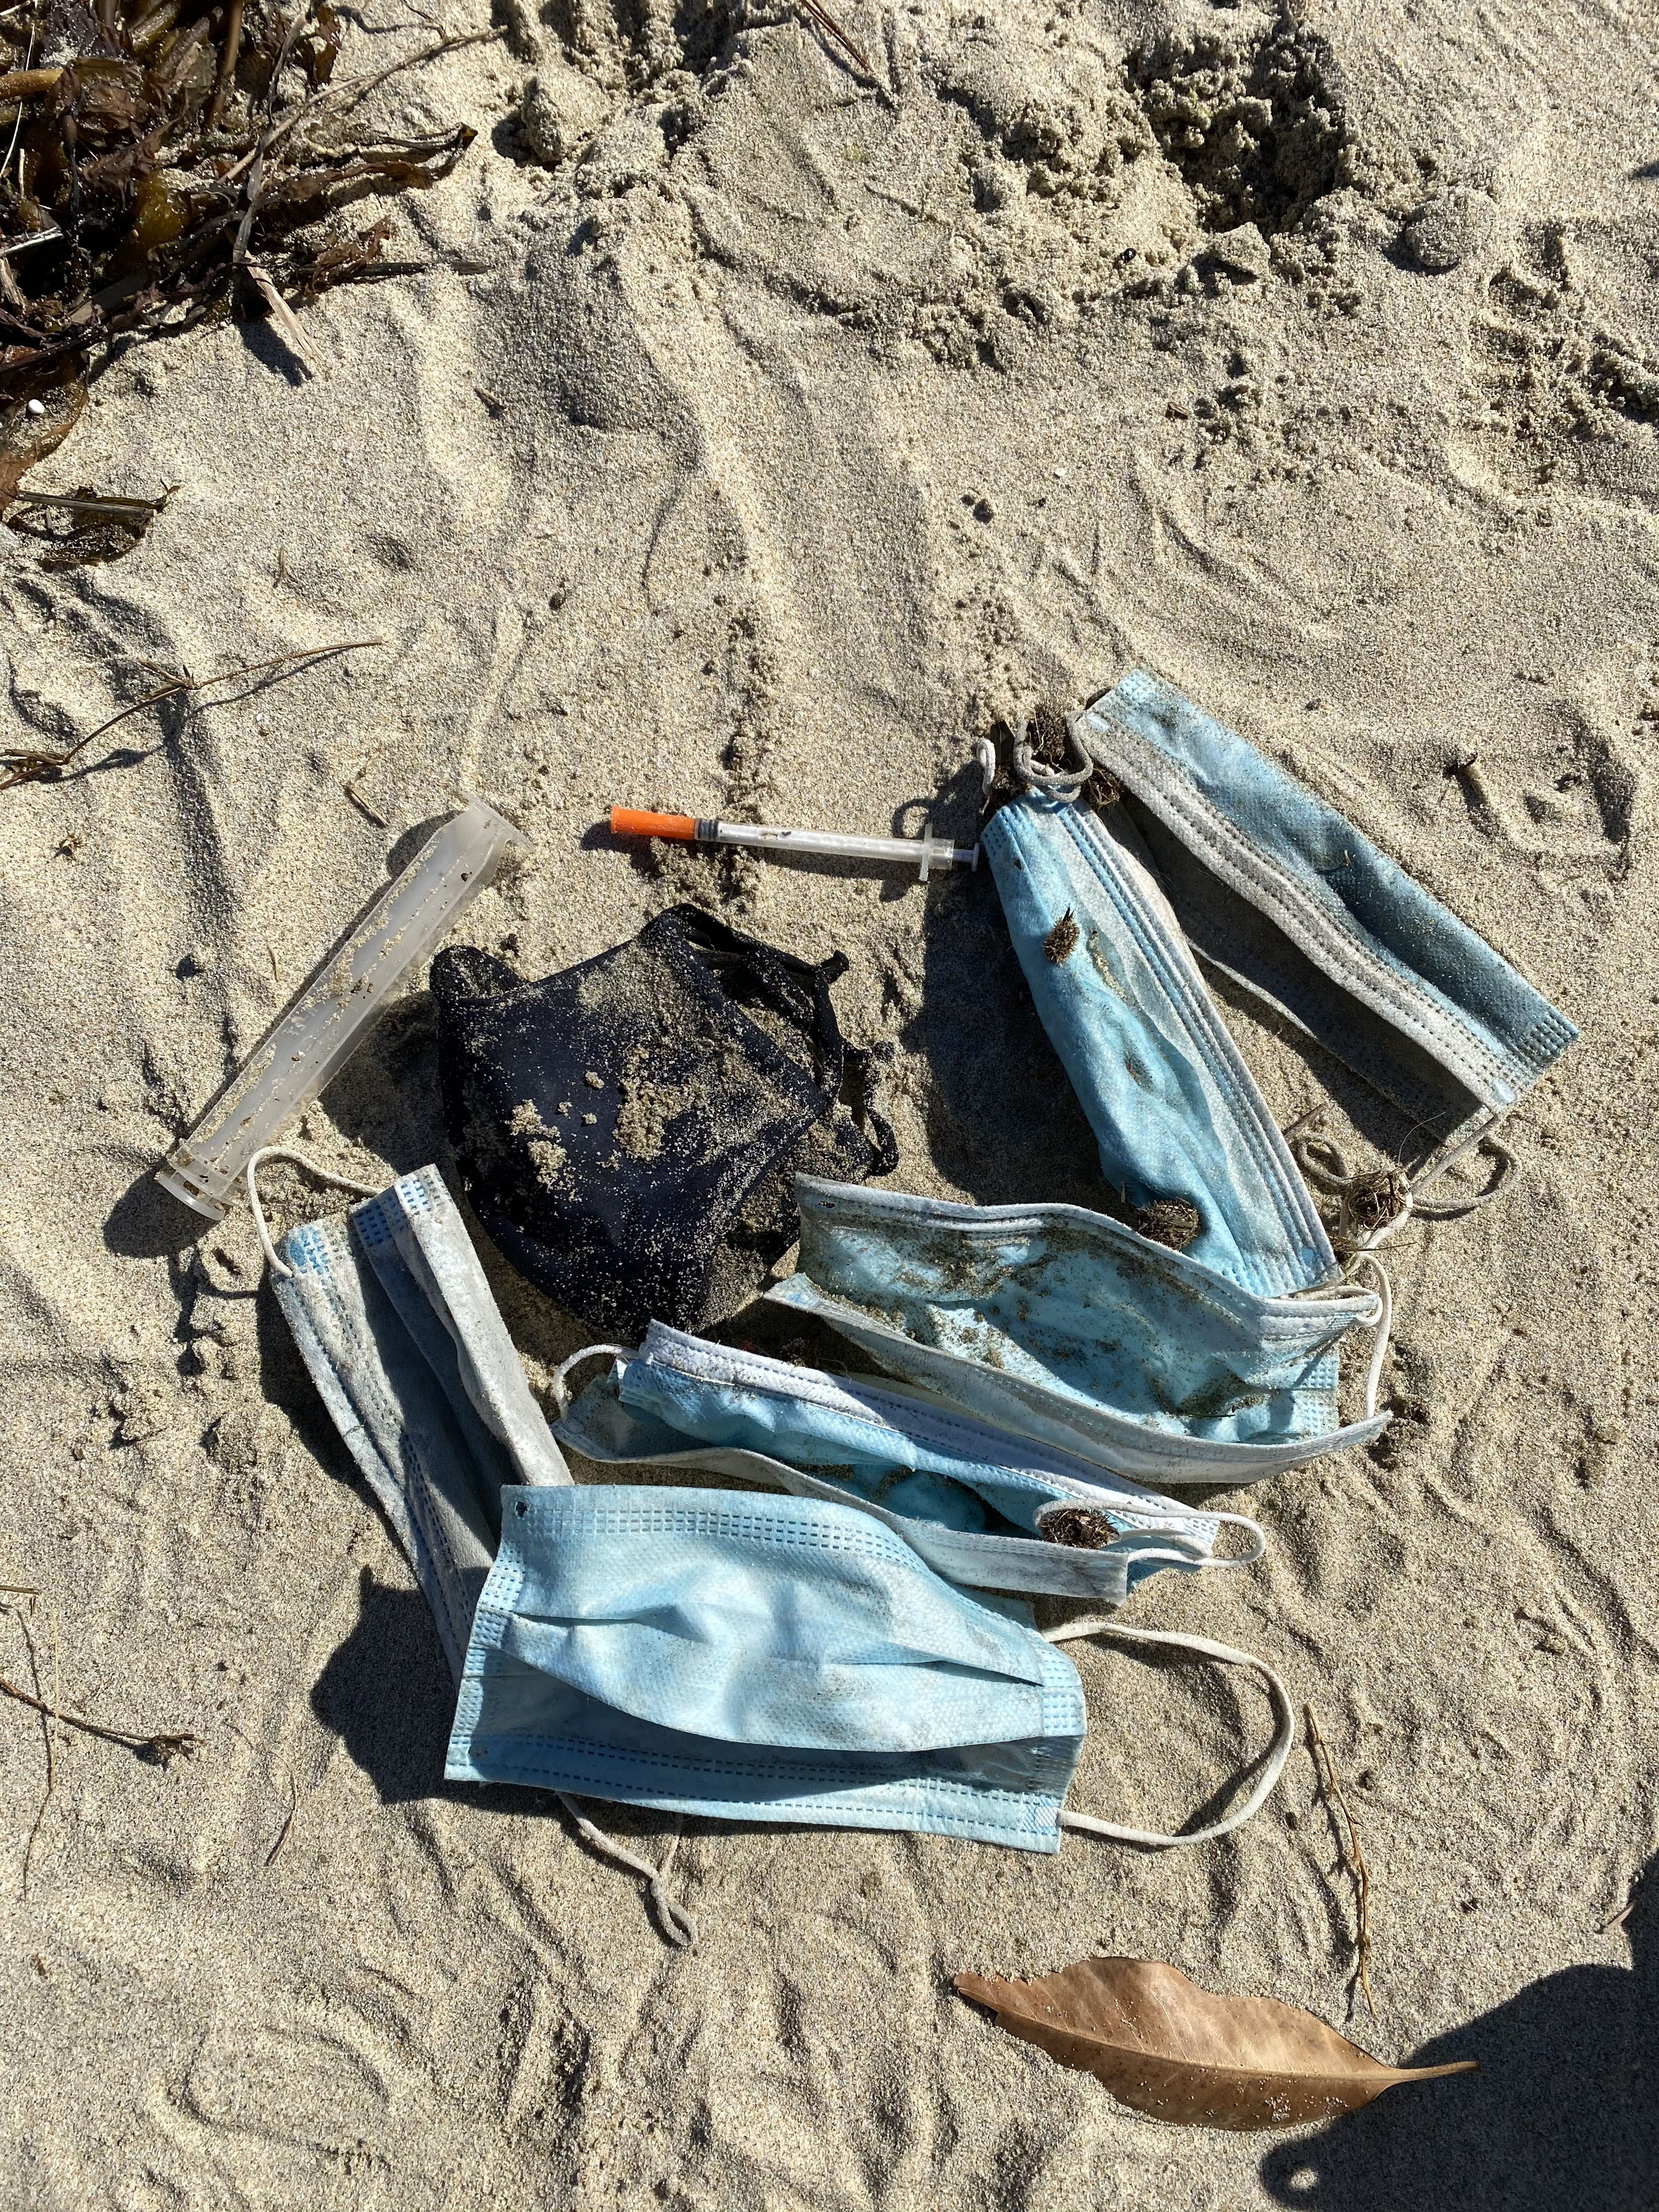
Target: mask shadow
[386,1691]
[1565,2111]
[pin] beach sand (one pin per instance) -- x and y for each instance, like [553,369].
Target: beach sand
[788,435]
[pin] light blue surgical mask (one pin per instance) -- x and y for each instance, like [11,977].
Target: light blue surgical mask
[1064,1326]
[1280,892]
[1177,1113]
[777,1659]
[970,1500]
[396,1323]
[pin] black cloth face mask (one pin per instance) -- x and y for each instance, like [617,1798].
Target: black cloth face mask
[628,1131]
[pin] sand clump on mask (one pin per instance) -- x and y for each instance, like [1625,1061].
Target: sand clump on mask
[755,439]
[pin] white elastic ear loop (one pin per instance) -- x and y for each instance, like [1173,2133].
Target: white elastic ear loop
[560,1396]
[675,1921]
[1063,784]
[1155,1552]
[1240,1558]
[1384,1324]
[1453,1209]
[1279,1751]
[298,1160]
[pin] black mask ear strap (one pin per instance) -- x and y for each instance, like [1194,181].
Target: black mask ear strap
[865,1064]
[829,1049]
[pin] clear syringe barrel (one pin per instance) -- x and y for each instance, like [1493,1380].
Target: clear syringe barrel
[925,851]
[320,1028]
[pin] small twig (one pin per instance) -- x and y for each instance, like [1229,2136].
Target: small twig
[910,208]
[281,1837]
[126,510]
[286,320]
[360,88]
[159,1748]
[1352,1858]
[11,246]
[227,78]
[51,1752]
[825,21]
[27,767]
[362,806]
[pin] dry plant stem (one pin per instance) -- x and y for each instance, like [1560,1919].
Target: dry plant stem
[282,1834]
[285,319]
[161,1747]
[1353,1858]
[826,21]
[227,78]
[26,767]
[348,96]
[124,510]
[52,1749]
[363,806]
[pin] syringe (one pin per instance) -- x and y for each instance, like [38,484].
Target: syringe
[924,853]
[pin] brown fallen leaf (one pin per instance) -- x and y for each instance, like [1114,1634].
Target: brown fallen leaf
[1166,2047]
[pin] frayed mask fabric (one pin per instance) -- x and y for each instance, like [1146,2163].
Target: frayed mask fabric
[1176,1112]
[397,1325]
[968,1500]
[1065,1325]
[774,1659]
[1278,890]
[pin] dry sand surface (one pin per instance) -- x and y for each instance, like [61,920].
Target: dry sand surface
[780,438]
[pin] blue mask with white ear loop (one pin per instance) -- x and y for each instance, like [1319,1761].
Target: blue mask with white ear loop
[977,1503]
[780,1659]
[400,1330]
[1177,1113]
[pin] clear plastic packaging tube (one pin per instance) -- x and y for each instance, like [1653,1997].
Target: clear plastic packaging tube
[320,1028]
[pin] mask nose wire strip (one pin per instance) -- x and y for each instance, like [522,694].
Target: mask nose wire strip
[675,1921]
[560,1396]
[298,1160]
[1277,1751]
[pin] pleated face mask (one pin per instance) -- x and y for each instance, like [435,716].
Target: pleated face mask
[775,1659]
[1064,1326]
[396,1323]
[980,1506]
[1177,1114]
[1278,890]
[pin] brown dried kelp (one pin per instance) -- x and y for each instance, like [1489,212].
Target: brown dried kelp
[170,163]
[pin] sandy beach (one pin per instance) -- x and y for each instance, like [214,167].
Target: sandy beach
[759,436]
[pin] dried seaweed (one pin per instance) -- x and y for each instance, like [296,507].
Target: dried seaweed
[174,163]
